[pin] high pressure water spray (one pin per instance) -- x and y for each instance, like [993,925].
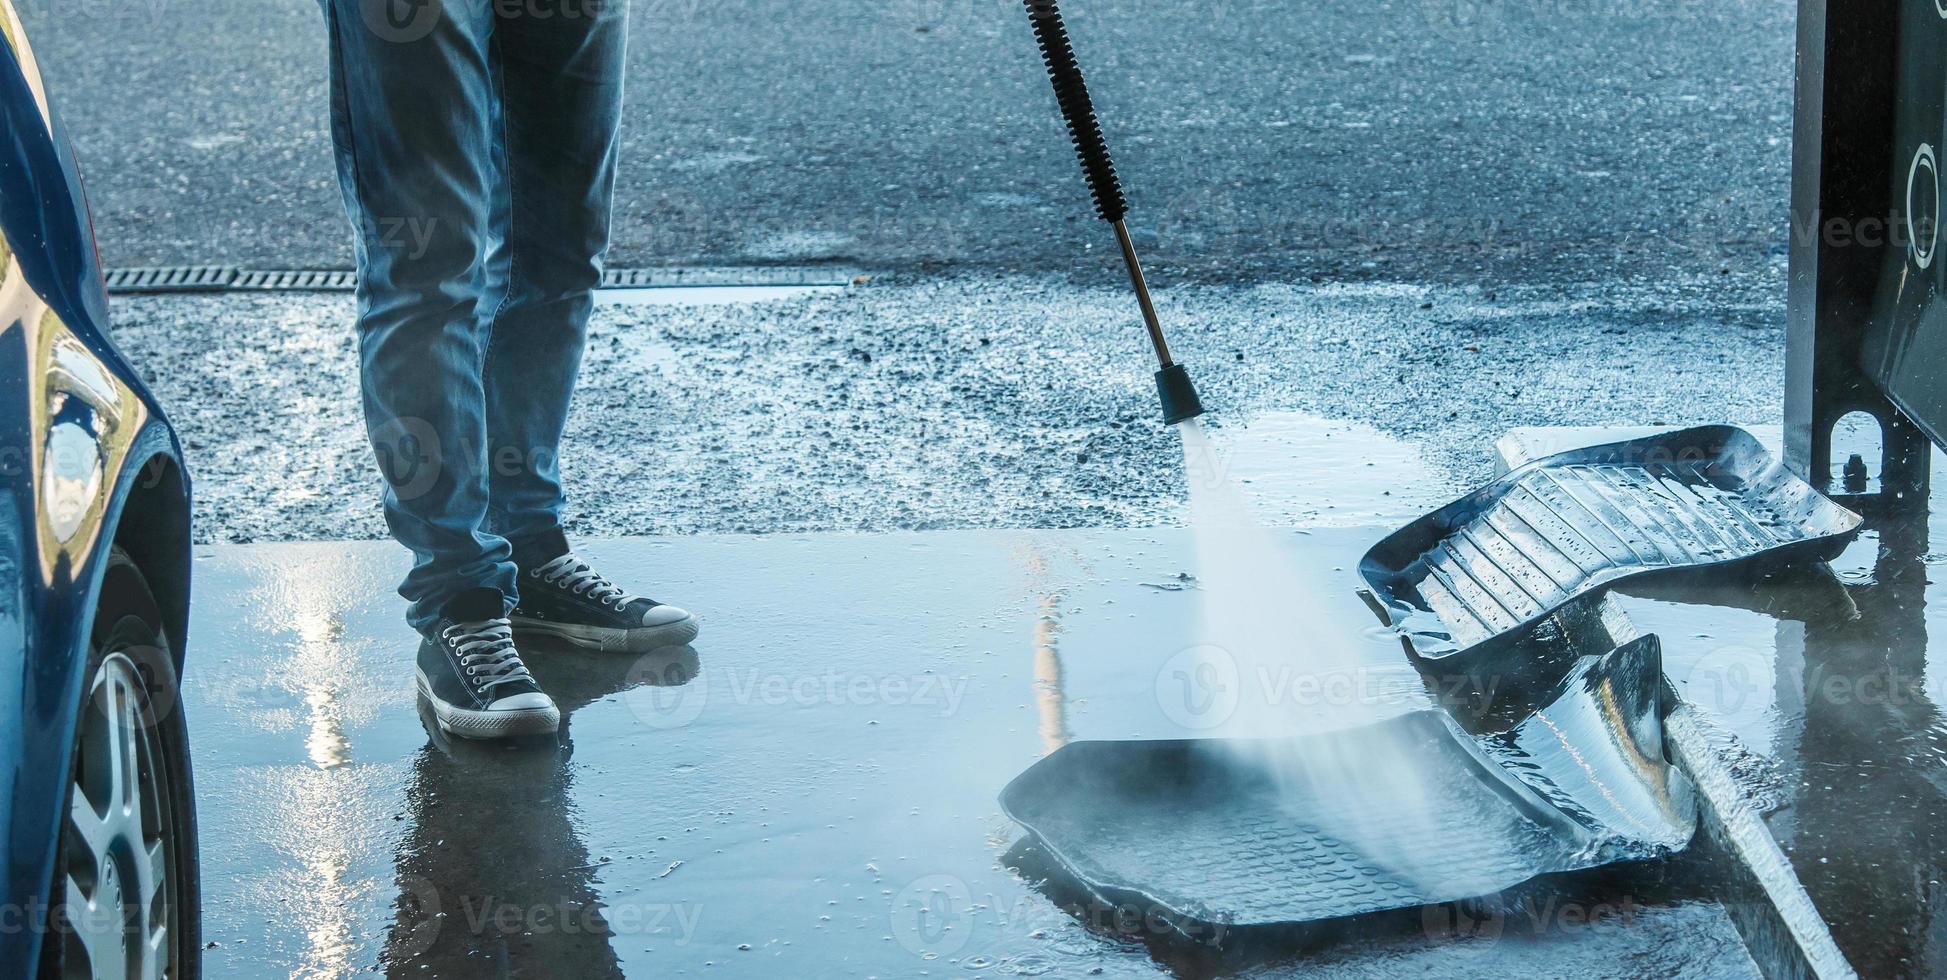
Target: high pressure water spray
[1172,381]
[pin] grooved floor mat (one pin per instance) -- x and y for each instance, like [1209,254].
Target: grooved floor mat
[1500,559]
[1406,812]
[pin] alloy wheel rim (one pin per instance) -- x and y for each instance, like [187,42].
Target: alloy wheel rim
[119,880]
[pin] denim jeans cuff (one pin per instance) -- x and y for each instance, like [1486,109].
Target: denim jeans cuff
[539,548]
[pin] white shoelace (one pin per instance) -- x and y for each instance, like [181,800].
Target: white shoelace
[573,574]
[486,649]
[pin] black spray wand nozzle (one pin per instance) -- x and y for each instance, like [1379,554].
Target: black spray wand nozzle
[1173,385]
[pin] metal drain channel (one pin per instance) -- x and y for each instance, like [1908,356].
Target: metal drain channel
[221,278]
[171,279]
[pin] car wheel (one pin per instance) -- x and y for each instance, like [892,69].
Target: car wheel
[125,890]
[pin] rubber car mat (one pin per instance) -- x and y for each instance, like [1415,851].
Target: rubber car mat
[1595,752]
[1405,812]
[1497,561]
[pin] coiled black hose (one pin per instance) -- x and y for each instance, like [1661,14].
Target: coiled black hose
[1072,93]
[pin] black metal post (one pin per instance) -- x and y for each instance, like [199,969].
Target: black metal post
[1843,158]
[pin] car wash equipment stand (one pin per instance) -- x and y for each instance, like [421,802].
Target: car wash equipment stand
[1173,385]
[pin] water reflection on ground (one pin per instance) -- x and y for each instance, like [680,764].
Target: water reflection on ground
[493,879]
[811,791]
[1829,675]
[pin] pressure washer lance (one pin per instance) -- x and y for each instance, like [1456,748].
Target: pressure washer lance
[1172,381]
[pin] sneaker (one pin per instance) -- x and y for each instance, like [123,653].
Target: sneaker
[568,600]
[474,679]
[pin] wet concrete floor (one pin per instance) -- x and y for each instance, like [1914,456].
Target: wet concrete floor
[1830,677]
[1827,676]
[810,790]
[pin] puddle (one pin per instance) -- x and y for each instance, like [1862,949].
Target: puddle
[796,792]
[808,790]
[705,295]
[800,791]
[1832,678]
[1826,676]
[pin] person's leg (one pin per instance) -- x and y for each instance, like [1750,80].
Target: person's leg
[415,129]
[561,65]
[561,86]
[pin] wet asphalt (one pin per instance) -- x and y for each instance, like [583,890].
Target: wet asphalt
[909,404]
[1440,218]
[1456,140]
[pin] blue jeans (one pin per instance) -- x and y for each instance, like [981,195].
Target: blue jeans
[476,144]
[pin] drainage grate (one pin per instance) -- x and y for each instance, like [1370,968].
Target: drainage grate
[730,276]
[209,278]
[171,279]
[295,279]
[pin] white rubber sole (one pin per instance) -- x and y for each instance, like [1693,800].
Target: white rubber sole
[469,723]
[642,639]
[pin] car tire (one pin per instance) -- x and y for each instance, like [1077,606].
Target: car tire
[100,921]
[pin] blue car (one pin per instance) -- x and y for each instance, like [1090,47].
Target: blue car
[100,858]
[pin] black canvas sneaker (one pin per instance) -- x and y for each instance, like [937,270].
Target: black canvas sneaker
[478,687]
[566,599]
